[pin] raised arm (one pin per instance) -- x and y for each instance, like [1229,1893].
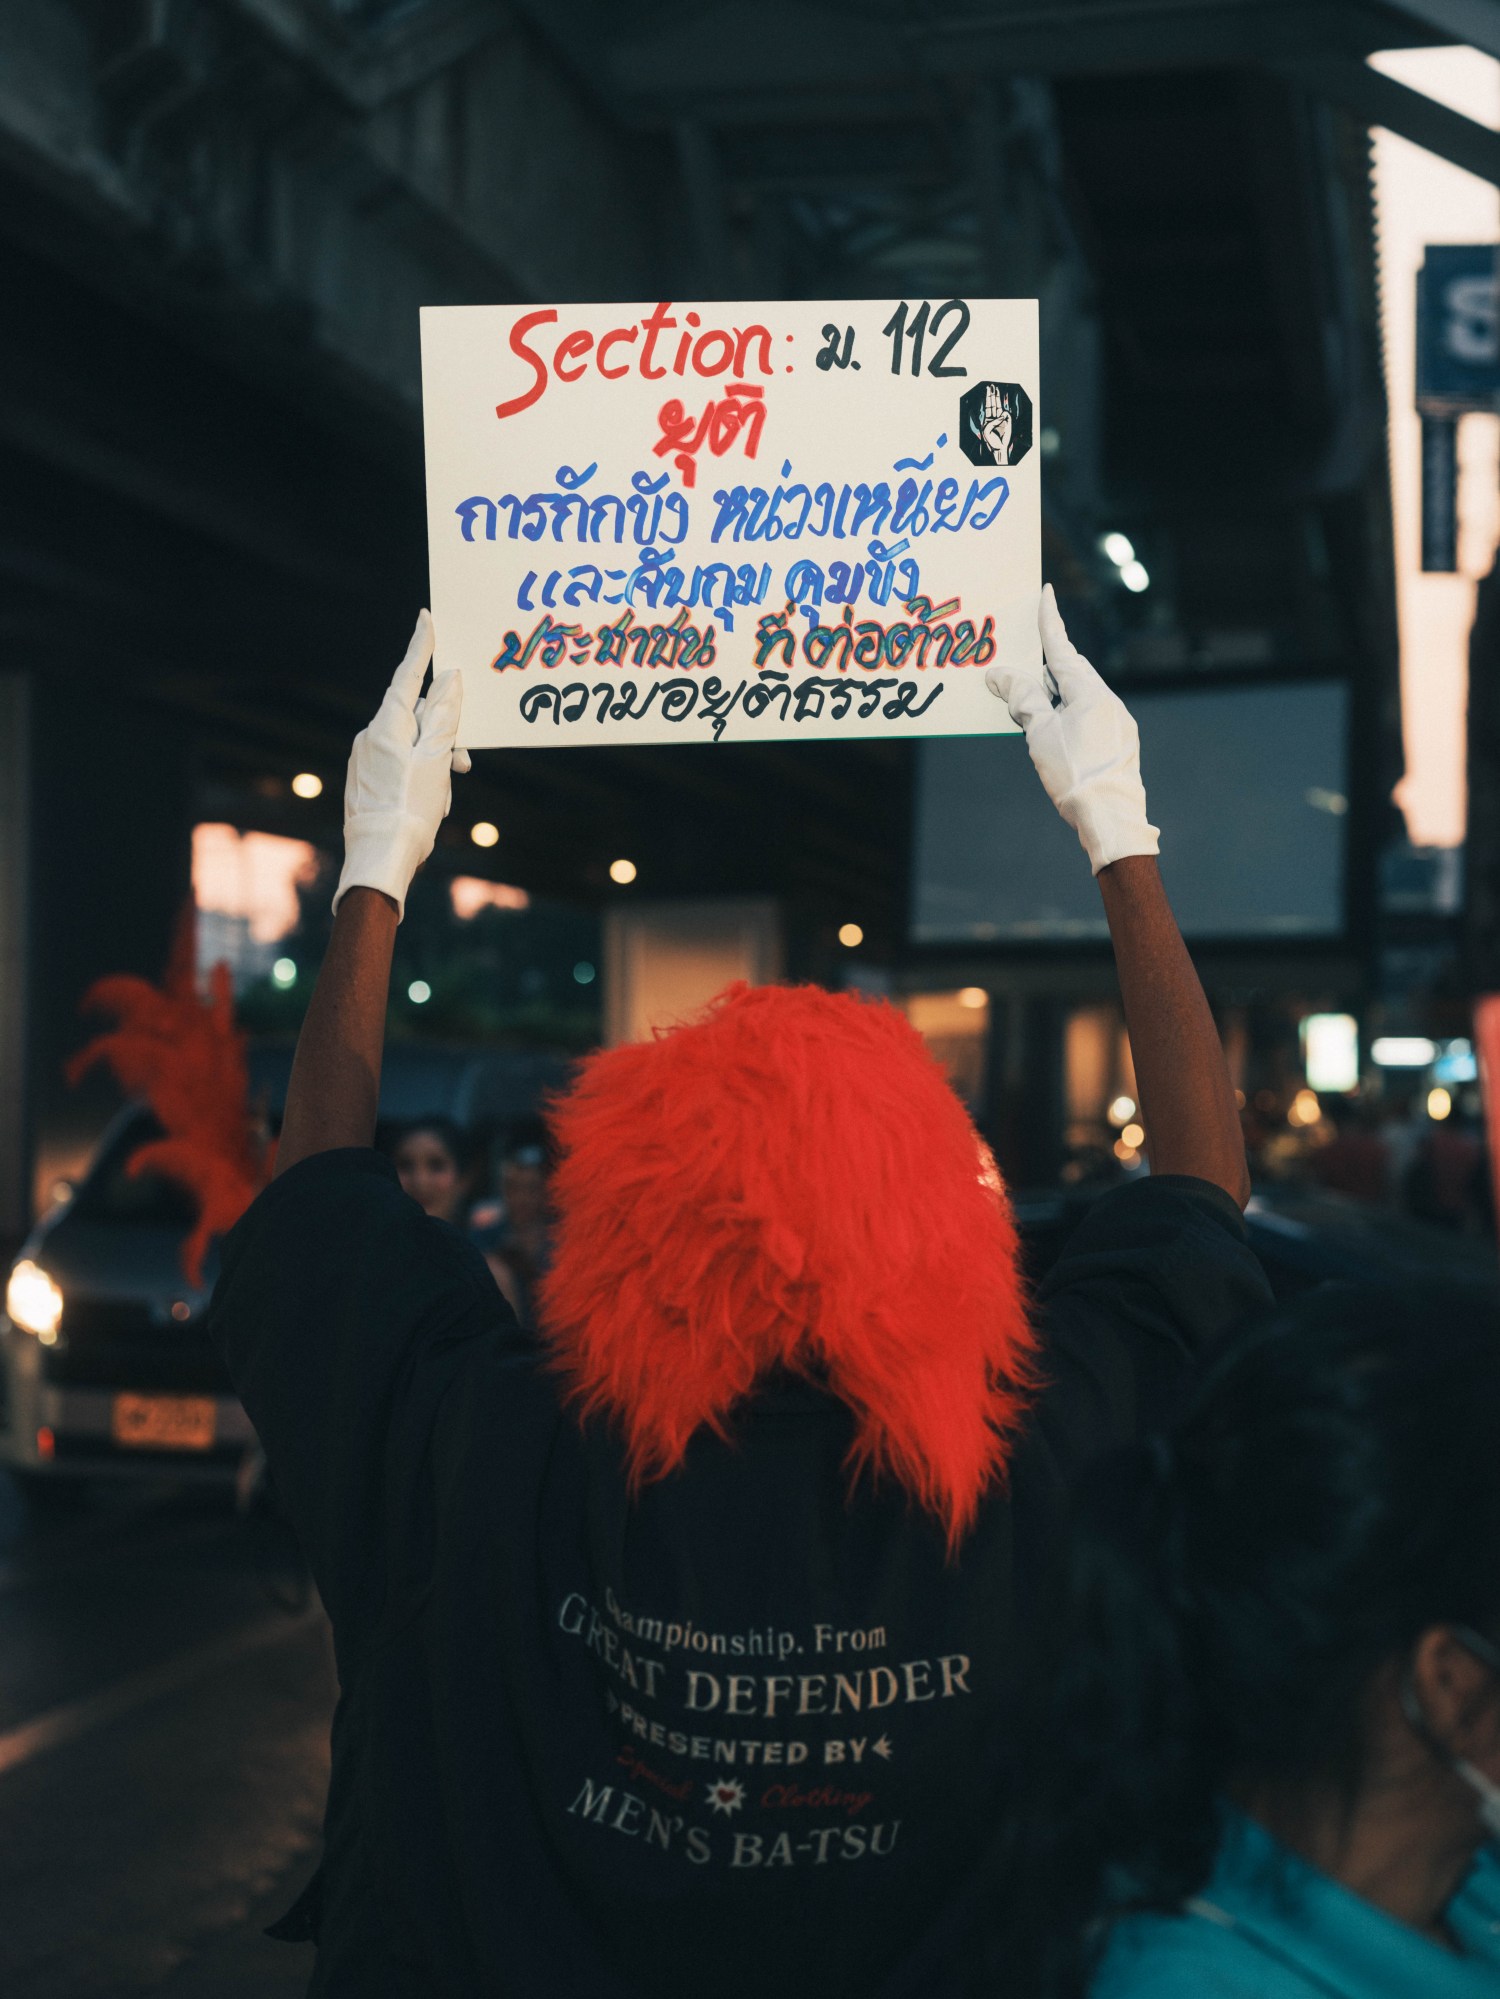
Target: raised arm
[1086,750]
[396,795]
[1187,1101]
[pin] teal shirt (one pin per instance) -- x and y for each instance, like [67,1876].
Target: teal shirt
[1268,1926]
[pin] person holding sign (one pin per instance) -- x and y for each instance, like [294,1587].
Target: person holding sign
[680,1655]
[731,520]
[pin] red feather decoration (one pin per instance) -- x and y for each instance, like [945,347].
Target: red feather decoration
[182,1055]
[789,1181]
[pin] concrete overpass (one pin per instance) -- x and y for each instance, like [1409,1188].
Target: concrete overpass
[217,219]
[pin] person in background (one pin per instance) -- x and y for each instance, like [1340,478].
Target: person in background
[515,1230]
[1270,1711]
[678,1648]
[1357,1160]
[1446,1184]
[430,1156]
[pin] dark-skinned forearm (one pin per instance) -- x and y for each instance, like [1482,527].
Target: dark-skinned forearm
[1187,1100]
[334,1090]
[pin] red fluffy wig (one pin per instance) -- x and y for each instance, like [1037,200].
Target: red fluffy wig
[789,1181]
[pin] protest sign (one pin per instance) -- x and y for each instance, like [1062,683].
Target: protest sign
[695,522]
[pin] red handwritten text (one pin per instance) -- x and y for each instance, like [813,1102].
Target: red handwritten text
[636,1766]
[720,424]
[822,1798]
[713,350]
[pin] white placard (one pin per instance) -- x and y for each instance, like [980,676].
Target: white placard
[703,522]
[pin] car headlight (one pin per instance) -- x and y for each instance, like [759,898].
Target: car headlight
[33,1301]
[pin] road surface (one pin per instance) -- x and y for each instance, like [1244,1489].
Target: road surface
[165,1692]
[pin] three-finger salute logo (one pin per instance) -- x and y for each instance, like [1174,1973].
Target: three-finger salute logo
[994,423]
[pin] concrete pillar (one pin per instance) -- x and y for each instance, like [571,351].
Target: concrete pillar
[108,872]
[1026,1106]
[1482,872]
[15,1147]
[957,1033]
[663,960]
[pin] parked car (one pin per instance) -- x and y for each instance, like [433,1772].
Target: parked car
[103,1365]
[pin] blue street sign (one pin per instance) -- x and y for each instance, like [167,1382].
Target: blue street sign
[1458,330]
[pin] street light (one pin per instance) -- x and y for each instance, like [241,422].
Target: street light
[1402,1051]
[622,871]
[851,936]
[1330,1052]
[484,833]
[307,784]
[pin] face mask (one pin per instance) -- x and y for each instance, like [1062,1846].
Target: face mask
[1484,1788]
[1486,1791]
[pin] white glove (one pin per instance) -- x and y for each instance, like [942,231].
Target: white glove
[1087,752]
[398,789]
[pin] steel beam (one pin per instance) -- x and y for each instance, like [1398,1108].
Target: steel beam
[1476,22]
[1380,100]
[803,63]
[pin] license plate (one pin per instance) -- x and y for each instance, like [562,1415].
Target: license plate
[164,1422]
